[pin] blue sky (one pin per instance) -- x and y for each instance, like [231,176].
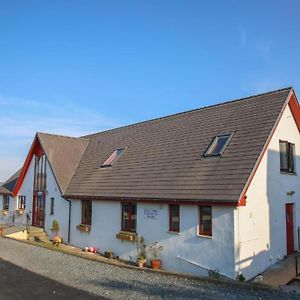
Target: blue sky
[76,67]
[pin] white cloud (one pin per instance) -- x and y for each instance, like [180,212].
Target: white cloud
[18,126]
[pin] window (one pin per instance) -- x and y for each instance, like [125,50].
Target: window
[52,206]
[218,145]
[86,212]
[40,173]
[287,153]
[6,202]
[112,158]
[174,218]
[205,222]
[129,217]
[22,202]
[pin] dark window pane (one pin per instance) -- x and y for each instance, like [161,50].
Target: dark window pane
[86,212]
[174,218]
[218,145]
[287,153]
[205,227]
[129,217]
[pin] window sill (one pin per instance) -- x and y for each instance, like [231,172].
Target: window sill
[126,236]
[288,173]
[84,228]
[204,236]
[174,232]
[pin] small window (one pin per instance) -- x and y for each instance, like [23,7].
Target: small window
[174,211]
[86,212]
[218,145]
[205,222]
[113,157]
[129,217]
[287,153]
[22,202]
[52,206]
[6,202]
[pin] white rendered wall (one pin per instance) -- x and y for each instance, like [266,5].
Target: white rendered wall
[215,253]
[61,211]
[260,226]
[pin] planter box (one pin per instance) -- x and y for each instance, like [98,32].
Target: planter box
[4,212]
[84,228]
[126,236]
[20,212]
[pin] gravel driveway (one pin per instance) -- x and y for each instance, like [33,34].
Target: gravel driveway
[121,283]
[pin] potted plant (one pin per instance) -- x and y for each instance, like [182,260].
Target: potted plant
[141,248]
[154,250]
[55,230]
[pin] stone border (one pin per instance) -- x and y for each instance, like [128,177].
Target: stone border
[123,264]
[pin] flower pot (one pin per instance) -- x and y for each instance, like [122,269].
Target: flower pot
[141,263]
[56,240]
[155,264]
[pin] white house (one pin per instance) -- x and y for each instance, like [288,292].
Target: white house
[217,187]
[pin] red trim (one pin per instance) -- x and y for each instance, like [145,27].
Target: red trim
[171,228]
[295,109]
[35,149]
[153,200]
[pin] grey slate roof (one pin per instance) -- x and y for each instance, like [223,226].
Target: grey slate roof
[64,154]
[9,185]
[164,157]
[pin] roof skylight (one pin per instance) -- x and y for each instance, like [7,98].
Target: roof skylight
[113,157]
[218,145]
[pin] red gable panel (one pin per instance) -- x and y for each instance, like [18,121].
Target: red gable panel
[35,149]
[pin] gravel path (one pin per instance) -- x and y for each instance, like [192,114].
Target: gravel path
[121,283]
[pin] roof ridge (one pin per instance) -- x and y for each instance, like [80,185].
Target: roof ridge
[191,111]
[63,136]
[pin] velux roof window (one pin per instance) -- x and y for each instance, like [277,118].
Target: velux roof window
[113,157]
[218,145]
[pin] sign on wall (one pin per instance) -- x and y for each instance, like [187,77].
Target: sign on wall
[150,213]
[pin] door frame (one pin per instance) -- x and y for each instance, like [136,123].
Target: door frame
[36,214]
[289,224]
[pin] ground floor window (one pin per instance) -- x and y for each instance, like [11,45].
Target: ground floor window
[6,202]
[205,222]
[129,217]
[86,212]
[22,202]
[174,218]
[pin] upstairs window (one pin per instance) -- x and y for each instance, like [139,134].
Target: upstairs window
[174,218]
[112,158]
[218,145]
[86,212]
[6,202]
[287,154]
[129,217]
[22,202]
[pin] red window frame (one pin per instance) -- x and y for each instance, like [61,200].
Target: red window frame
[171,224]
[201,230]
[86,215]
[132,209]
